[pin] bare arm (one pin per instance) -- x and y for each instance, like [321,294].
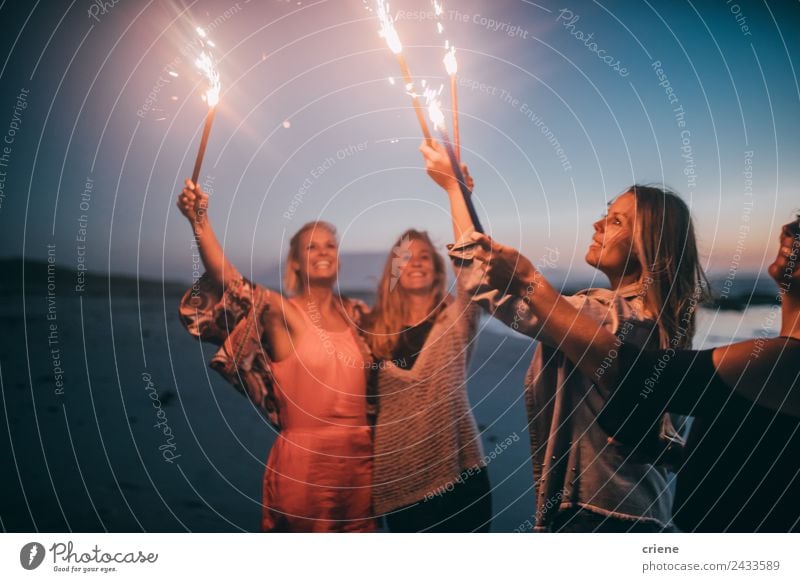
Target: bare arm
[439,168]
[585,341]
[193,204]
[763,371]
[282,323]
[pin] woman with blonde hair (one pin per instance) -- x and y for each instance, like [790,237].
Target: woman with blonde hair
[584,480]
[300,360]
[430,473]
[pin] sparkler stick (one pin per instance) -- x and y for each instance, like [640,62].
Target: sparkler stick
[451,64]
[389,33]
[437,118]
[206,65]
[198,161]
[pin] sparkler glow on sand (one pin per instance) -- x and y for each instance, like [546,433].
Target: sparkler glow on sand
[205,64]
[438,120]
[389,34]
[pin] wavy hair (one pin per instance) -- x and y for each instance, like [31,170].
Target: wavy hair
[672,279]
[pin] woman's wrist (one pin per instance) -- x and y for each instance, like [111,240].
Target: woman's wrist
[200,226]
[453,189]
[525,285]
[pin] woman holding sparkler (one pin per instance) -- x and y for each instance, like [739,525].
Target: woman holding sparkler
[300,360]
[430,473]
[583,482]
[742,463]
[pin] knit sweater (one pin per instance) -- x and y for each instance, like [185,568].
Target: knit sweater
[425,434]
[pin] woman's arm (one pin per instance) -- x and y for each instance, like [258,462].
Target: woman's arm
[584,340]
[193,204]
[439,168]
[765,371]
[280,320]
[699,383]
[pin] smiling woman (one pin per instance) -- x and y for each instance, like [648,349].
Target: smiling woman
[646,247]
[299,359]
[430,469]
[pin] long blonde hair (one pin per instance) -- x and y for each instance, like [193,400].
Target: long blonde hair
[292,282]
[672,279]
[390,314]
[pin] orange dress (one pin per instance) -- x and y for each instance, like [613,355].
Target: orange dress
[319,471]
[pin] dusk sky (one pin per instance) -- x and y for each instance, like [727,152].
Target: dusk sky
[563,105]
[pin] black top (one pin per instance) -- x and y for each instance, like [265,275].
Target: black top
[410,343]
[741,468]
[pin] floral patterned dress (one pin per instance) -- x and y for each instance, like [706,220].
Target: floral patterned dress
[318,474]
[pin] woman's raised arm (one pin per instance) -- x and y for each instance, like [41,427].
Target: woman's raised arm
[439,168]
[585,341]
[193,204]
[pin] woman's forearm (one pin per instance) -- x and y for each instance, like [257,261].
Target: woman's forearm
[765,371]
[585,341]
[462,223]
[217,265]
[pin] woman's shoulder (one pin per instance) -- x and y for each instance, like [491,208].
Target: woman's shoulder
[626,304]
[356,309]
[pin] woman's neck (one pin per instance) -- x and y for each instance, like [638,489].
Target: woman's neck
[322,297]
[617,282]
[418,307]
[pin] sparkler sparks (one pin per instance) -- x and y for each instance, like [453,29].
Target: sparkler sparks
[435,108]
[389,34]
[388,31]
[450,62]
[205,64]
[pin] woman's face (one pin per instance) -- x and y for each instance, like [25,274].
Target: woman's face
[318,263]
[612,250]
[785,270]
[418,271]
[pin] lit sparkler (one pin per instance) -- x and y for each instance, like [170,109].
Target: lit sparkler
[438,120]
[389,34]
[205,63]
[451,64]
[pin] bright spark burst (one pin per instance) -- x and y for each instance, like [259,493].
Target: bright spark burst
[388,31]
[205,63]
[450,62]
[209,71]
[435,107]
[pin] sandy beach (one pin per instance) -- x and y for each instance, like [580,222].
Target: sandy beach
[114,422]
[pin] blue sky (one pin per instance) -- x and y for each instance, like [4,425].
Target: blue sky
[306,106]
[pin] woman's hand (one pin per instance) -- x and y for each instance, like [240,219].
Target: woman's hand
[785,270]
[506,269]
[193,204]
[439,168]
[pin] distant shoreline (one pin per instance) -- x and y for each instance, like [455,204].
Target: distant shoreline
[753,290]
